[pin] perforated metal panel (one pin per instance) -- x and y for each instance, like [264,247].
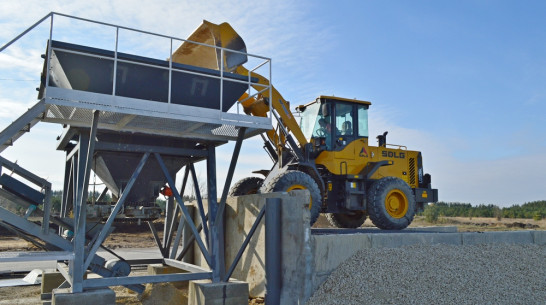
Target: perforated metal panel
[149,124]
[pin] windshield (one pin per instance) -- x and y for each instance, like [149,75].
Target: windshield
[309,120]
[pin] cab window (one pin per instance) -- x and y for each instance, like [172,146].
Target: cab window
[344,119]
[362,111]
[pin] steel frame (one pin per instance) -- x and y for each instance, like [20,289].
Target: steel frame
[84,253]
[80,253]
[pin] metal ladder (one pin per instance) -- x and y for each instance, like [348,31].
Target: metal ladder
[22,125]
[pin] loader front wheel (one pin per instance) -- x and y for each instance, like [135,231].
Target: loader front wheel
[346,220]
[246,186]
[291,180]
[391,204]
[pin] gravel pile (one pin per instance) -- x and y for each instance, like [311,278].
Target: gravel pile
[440,274]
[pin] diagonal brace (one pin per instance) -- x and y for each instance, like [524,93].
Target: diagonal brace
[104,232]
[185,211]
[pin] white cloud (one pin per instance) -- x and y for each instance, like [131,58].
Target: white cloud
[26,60]
[504,182]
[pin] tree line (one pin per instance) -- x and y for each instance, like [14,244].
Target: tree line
[534,209]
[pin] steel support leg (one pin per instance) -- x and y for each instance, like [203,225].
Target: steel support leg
[216,225]
[273,253]
[84,169]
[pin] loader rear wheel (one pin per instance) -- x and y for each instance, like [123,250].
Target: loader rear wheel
[246,186]
[291,180]
[346,220]
[391,204]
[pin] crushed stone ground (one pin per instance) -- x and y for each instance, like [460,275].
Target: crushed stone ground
[439,274]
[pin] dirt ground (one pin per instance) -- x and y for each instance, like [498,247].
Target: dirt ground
[464,224]
[132,235]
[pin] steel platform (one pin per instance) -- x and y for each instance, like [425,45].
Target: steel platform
[143,95]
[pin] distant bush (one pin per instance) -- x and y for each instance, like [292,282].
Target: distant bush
[431,214]
[528,210]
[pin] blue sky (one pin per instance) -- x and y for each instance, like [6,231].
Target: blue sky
[462,81]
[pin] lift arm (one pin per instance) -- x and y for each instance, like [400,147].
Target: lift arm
[197,51]
[260,107]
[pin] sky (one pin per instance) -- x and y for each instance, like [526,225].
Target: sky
[464,82]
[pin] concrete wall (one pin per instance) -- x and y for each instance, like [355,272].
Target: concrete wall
[241,212]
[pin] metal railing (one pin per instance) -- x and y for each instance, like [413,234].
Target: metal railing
[259,88]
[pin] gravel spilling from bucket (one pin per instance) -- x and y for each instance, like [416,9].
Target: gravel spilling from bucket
[439,274]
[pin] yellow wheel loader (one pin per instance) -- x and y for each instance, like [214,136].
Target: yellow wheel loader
[327,152]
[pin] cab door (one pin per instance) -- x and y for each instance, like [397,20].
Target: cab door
[344,136]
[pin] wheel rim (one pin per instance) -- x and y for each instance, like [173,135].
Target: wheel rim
[301,187]
[396,204]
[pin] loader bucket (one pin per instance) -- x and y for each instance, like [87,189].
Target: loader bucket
[219,35]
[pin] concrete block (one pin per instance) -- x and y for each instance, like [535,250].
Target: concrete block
[539,237]
[103,296]
[396,240]
[332,250]
[241,212]
[51,280]
[506,237]
[203,292]
[156,269]
[297,254]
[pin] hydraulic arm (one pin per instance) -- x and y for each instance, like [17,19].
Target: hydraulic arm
[197,51]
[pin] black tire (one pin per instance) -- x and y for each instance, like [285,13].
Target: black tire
[293,180]
[346,220]
[246,186]
[391,204]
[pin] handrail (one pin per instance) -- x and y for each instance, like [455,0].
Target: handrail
[26,31]
[397,146]
[265,60]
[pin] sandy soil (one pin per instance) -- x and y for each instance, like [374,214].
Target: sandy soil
[126,235]
[464,224]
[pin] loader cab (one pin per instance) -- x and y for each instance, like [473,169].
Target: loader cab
[331,123]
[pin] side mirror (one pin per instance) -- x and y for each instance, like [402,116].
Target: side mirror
[325,110]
